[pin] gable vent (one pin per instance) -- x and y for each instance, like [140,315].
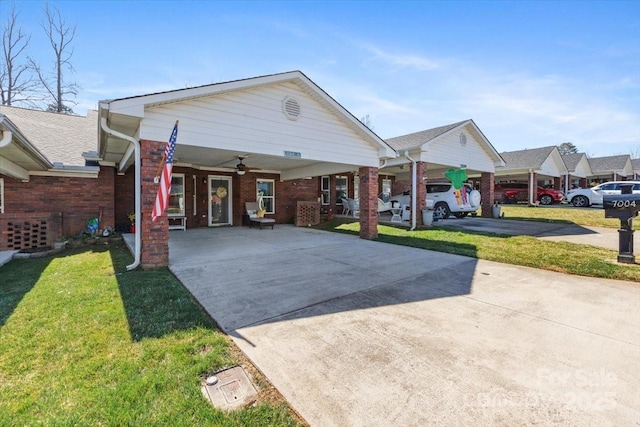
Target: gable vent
[291,108]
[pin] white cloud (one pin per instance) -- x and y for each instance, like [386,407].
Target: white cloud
[402,60]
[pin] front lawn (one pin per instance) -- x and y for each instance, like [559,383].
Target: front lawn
[590,217]
[84,342]
[528,251]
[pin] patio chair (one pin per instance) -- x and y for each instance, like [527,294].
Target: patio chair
[345,206]
[354,207]
[252,212]
[384,206]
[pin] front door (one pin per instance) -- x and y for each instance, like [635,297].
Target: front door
[220,206]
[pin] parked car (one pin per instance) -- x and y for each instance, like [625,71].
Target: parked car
[582,197]
[445,200]
[514,192]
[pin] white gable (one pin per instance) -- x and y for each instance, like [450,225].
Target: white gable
[460,146]
[583,169]
[553,165]
[253,120]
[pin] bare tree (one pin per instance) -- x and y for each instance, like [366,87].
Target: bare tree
[635,152]
[17,85]
[60,36]
[366,120]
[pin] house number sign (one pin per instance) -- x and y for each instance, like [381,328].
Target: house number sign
[292,154]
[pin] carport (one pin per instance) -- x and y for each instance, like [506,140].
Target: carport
[281,131]
[531,166]
[434,151]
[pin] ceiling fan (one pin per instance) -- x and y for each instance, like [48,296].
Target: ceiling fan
[241,168]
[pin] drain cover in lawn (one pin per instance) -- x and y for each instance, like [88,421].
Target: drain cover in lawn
[233,389]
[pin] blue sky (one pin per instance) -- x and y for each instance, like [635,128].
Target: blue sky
[529,73]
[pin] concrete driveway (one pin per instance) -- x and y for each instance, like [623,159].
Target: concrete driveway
[360,333]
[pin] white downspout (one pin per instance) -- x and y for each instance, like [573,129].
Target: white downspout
[414,190]
[138,209]
[532,189]
[6,138]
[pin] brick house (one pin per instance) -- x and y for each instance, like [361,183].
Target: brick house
[50,182]
[280,136]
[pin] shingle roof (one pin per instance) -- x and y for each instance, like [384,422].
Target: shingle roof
[608,164]
[417,139]
[526,159]
[571,161]
[60,137]
[636,164]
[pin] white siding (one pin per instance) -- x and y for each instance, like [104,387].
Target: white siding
[252,120]
[553,165]
[447,150]
[582,169]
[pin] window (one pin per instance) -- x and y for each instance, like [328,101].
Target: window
[266,189]
[386,186]
[325,193]
[342,189]
[176,199]
[1,195]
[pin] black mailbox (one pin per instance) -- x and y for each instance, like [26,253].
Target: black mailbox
[621,206]
[625,207]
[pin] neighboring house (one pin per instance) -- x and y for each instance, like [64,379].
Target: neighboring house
[50,183]
[457,145]
[610,168]
[578,169]
[536,166]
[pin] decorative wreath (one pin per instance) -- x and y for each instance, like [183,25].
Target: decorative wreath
[221,192]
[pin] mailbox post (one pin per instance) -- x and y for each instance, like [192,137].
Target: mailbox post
[624,206]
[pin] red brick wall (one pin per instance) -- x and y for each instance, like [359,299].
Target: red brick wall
[155,235]
[487,182]
[76,199]
[368,202]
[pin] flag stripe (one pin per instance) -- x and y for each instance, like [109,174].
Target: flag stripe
[164,189]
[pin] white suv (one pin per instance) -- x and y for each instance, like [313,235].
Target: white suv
[444,200]
[583,197]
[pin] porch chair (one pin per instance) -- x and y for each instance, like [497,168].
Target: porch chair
[354,207]
[252,212]
[345,206]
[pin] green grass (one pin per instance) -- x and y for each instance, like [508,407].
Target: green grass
[83,342]
[590,217]
[528,251]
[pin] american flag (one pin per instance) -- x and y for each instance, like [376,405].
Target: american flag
[162,198]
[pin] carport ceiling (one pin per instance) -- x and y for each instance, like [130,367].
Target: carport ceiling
[217,159]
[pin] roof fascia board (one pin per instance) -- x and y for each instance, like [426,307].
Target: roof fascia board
[7,167]
[20,141]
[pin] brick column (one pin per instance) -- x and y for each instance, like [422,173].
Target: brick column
[584,183]
[155,235]
[368,202]
[421,194]
[487,180]
[557,182]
